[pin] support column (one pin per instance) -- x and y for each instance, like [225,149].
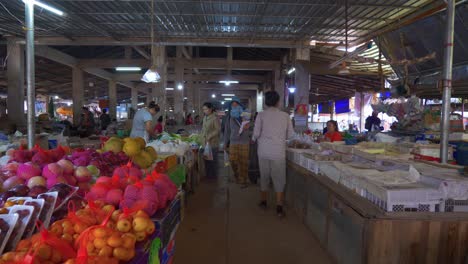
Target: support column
[279,85]
[77,94]
[15,78]
[112,99]
[196,100]
[189,93]
[134,98]
[447,81]
[302,77]
[332,110]
[179,83]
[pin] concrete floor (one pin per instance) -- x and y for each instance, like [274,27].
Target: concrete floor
[223,225]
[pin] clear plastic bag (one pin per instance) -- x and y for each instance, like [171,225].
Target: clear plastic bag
[208,152]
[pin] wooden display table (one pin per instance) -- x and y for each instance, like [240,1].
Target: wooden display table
[354,230]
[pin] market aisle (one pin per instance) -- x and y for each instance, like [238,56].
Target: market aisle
[223,225]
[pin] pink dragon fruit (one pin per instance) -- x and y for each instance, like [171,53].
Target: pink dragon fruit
[131,192]
[41,158]
[54,180]
[22,155]
[28,170]
[114,196]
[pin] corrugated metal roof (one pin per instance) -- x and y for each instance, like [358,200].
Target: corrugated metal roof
[284,19]
[423,38]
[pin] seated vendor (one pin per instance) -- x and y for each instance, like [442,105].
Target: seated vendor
[332,134]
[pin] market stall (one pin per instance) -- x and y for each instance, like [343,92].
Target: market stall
[119,203]
[378,204]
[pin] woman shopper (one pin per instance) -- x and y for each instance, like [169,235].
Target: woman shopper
[237,144]
[210,134]
[272,128]
[143,121]
[332,134]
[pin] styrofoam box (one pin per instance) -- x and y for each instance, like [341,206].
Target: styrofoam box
[414,197]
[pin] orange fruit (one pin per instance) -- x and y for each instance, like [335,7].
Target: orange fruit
[150,227]
[140,236]
[90,247]
[114,241]
[79,228]
[70,261]
[129,241]
[9,256]
[67,237]
[56,229]
[99,243]
[67,223]
[44,252]
[69,230]
[121,253]
[111,225]
[24,244]
[105,252]
[99,232]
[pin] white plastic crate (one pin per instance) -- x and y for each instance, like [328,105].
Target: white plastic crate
[330,170]
[416,197]
[353,183]
[313,166]
[303,161]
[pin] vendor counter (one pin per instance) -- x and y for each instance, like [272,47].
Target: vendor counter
[354,230]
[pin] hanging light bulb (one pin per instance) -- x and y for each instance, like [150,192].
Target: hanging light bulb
[151,76]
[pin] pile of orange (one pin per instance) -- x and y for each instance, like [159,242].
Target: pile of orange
[108,243]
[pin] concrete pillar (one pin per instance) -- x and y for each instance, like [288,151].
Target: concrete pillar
[278,81]
[134,98]
[77,94]
[112,99]
[179,83]
[197,104]
[332,110]
[302,78]
[189,93]
[15,78]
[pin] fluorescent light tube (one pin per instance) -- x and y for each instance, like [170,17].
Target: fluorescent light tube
[128,68]
[45,6]
[230,95]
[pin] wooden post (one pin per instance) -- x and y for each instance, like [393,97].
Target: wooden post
[15,77]
[112,99]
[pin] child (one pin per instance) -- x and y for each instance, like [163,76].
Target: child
[245,116]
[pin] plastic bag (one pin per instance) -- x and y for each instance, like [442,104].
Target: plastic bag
[45,247]
[207,152]
[226,159]
[102,241]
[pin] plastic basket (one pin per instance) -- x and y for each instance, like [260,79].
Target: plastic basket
[168,220]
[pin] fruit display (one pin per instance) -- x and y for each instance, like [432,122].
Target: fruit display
[81,206]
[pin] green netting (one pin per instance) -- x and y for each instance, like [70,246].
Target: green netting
[177,174]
